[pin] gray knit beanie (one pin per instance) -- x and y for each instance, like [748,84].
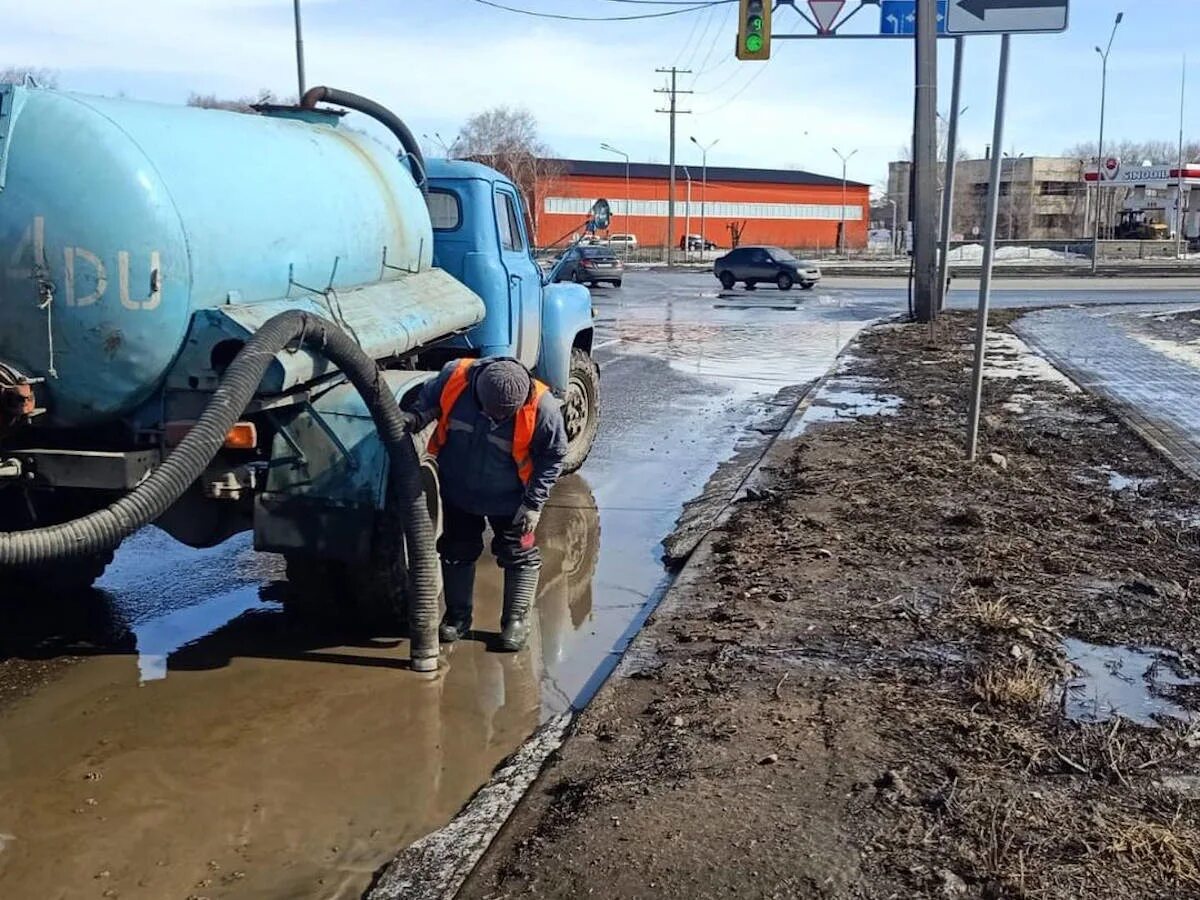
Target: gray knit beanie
[502,387]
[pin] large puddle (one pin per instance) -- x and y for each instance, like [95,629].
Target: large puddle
[222,749]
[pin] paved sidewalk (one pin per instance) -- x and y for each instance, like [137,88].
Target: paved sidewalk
[1128,356]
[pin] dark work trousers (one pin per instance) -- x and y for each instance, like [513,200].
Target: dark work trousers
[462,539]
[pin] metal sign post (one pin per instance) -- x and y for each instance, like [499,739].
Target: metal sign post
[951,166]
[989,253]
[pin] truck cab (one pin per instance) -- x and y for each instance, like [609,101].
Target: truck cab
[481,238]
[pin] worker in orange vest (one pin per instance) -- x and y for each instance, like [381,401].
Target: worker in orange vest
[500,443]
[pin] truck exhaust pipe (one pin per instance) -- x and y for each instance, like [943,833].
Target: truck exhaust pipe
[104,529]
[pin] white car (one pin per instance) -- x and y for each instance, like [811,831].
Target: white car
[622,241]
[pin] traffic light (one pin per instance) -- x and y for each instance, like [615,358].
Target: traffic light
[754,30]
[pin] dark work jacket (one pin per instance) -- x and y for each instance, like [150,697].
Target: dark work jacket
[476,467]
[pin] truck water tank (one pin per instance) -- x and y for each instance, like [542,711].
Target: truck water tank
[120,219]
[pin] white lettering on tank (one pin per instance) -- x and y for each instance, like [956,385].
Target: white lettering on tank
[28,256]
[69,256]
[155,297]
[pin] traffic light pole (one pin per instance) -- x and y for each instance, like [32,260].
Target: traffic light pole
[672,111]
[925,217]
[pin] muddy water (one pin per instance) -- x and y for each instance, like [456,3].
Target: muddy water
[208,746]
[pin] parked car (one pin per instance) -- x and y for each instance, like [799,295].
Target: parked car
[695,242]
[622,241]
[755,265]
[591,265]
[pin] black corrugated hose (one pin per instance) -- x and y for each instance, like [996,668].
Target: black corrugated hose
[106,528]
[381,114]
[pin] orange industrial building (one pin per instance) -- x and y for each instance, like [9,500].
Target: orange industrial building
[781,207]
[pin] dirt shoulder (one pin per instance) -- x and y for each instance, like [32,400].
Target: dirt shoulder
[865,687]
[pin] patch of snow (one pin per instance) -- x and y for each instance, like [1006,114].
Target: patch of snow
[1186,353]
[973,253]
[1010,357]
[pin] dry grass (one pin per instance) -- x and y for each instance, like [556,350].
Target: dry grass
[1171,850]
[992,615]
[1023,686]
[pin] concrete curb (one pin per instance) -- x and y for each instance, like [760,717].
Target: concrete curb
[435,867]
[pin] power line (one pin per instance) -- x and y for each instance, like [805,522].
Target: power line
[698,7]
[686,44]
[739,91]
[708,21]
[711,47]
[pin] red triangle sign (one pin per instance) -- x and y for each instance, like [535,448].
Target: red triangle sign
[826,12]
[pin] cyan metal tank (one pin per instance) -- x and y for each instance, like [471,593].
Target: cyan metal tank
[120,219]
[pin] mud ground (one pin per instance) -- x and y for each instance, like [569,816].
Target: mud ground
[893,675]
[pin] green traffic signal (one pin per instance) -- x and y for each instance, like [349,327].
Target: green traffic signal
[754,30]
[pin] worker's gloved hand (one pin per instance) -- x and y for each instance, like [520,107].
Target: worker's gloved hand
[527,519]
[411,422]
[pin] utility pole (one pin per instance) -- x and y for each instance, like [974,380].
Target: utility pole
[925,216]
[673,111]
[299,48]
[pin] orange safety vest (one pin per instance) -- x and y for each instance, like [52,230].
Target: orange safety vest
[526,418]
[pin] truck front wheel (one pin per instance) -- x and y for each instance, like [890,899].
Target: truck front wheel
[581,409]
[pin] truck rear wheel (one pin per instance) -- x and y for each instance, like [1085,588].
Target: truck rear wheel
[34,510]
[372,594]
[581,409]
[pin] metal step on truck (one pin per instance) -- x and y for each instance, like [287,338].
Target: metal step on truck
[210,322]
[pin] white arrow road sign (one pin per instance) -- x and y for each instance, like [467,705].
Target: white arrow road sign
[1011,16]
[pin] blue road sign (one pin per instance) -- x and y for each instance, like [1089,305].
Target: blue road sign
[900,16]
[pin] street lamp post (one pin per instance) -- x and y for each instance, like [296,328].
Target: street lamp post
[625,219]
[1012,183]
[687,218]
[845,158]
[704,192]
[1100,145]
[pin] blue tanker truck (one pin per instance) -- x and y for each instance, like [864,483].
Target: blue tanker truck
[210,321]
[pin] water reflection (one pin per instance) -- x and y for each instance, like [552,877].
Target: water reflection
[273,759]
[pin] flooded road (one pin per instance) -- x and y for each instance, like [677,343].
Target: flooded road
[175,735]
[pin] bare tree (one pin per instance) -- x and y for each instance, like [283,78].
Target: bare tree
[240,104]
[47,78]
[506,138]
[1159,153]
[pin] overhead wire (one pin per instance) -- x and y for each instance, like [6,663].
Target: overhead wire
[711,47]
[738,92]
[697,6]
[708,21]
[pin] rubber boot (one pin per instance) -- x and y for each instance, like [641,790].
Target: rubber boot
[458,580]
[520,590]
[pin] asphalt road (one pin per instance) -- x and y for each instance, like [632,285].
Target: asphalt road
[176,735]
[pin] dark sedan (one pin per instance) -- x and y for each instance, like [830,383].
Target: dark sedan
[591,265]
[755,265]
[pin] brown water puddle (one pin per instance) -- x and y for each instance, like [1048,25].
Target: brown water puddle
[265,764]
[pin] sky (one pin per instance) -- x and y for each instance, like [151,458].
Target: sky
[435,62]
